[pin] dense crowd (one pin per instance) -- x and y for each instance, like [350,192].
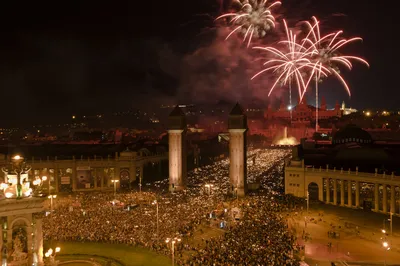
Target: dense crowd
[260,236]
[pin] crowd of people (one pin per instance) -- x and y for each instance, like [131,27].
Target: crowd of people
[147,219]
[260,237]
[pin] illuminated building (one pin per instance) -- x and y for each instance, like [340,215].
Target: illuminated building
[90,172]
[21,239]
[347,111]
[302,114]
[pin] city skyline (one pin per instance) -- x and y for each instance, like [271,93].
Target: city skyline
[84,58]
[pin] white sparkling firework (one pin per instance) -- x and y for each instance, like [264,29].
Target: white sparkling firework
[253,19]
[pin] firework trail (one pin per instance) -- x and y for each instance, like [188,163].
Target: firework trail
[253,19]
[325,57]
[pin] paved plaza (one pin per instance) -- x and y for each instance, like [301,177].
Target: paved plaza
[358,238]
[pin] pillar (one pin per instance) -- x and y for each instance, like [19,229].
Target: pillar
[74,175]
[29,233]
[237,125]
[349,194]
[56,178]
[384,200]
[321,192]
[39,241]
[357,194]
[328,190]
[376,197]
[102,178]
[342,192]
[177,150]
[95,178]
[1,241]
[132,173]
[392,199]
[334,191]
[141,173]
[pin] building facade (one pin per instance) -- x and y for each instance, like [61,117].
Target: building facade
[303,113]
[90,173]
[344,187]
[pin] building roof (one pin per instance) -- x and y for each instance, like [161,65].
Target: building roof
[351,133]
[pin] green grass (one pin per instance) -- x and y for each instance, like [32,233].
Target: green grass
[129,256]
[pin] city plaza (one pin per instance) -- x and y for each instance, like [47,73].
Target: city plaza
[208,216]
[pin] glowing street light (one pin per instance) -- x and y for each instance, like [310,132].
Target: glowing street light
[51,254]
[386,247]
[208,188]
[115,181]
[173,241]
[51,197]
[155,202]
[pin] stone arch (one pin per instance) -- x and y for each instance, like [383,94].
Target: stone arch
[313,190]
[20,230]
[20,219]
[124,177]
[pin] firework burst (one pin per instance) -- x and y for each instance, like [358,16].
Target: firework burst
[253,19]
[326,58]
[288,65]
[326,55]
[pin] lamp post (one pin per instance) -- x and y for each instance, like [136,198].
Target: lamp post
[386,247]
[208,188]
[115,181]
[52,255]
[140,183]
[51,197]
[173,241]
[155,202]
[391,223]
[308,201]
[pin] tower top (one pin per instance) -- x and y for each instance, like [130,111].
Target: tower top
[237,118]
[177,119]
[176,112]
[237,110]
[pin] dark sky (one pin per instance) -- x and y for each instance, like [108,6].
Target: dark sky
[63,57]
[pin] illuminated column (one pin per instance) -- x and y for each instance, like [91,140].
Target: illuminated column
[141,172]
[392,199]
[376,197]
[29,234]
[349,194]
[384,200]
[39,241]
[334,191]
[177,150]
[342,192]
[357,194]
[237,125]
[328,190]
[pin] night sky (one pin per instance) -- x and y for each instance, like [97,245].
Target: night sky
[62,57]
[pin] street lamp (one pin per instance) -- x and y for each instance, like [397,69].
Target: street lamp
[155,202]
[386,247]
[173,241]
[52,255]
[208,188]
[51,197]
[115,181]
